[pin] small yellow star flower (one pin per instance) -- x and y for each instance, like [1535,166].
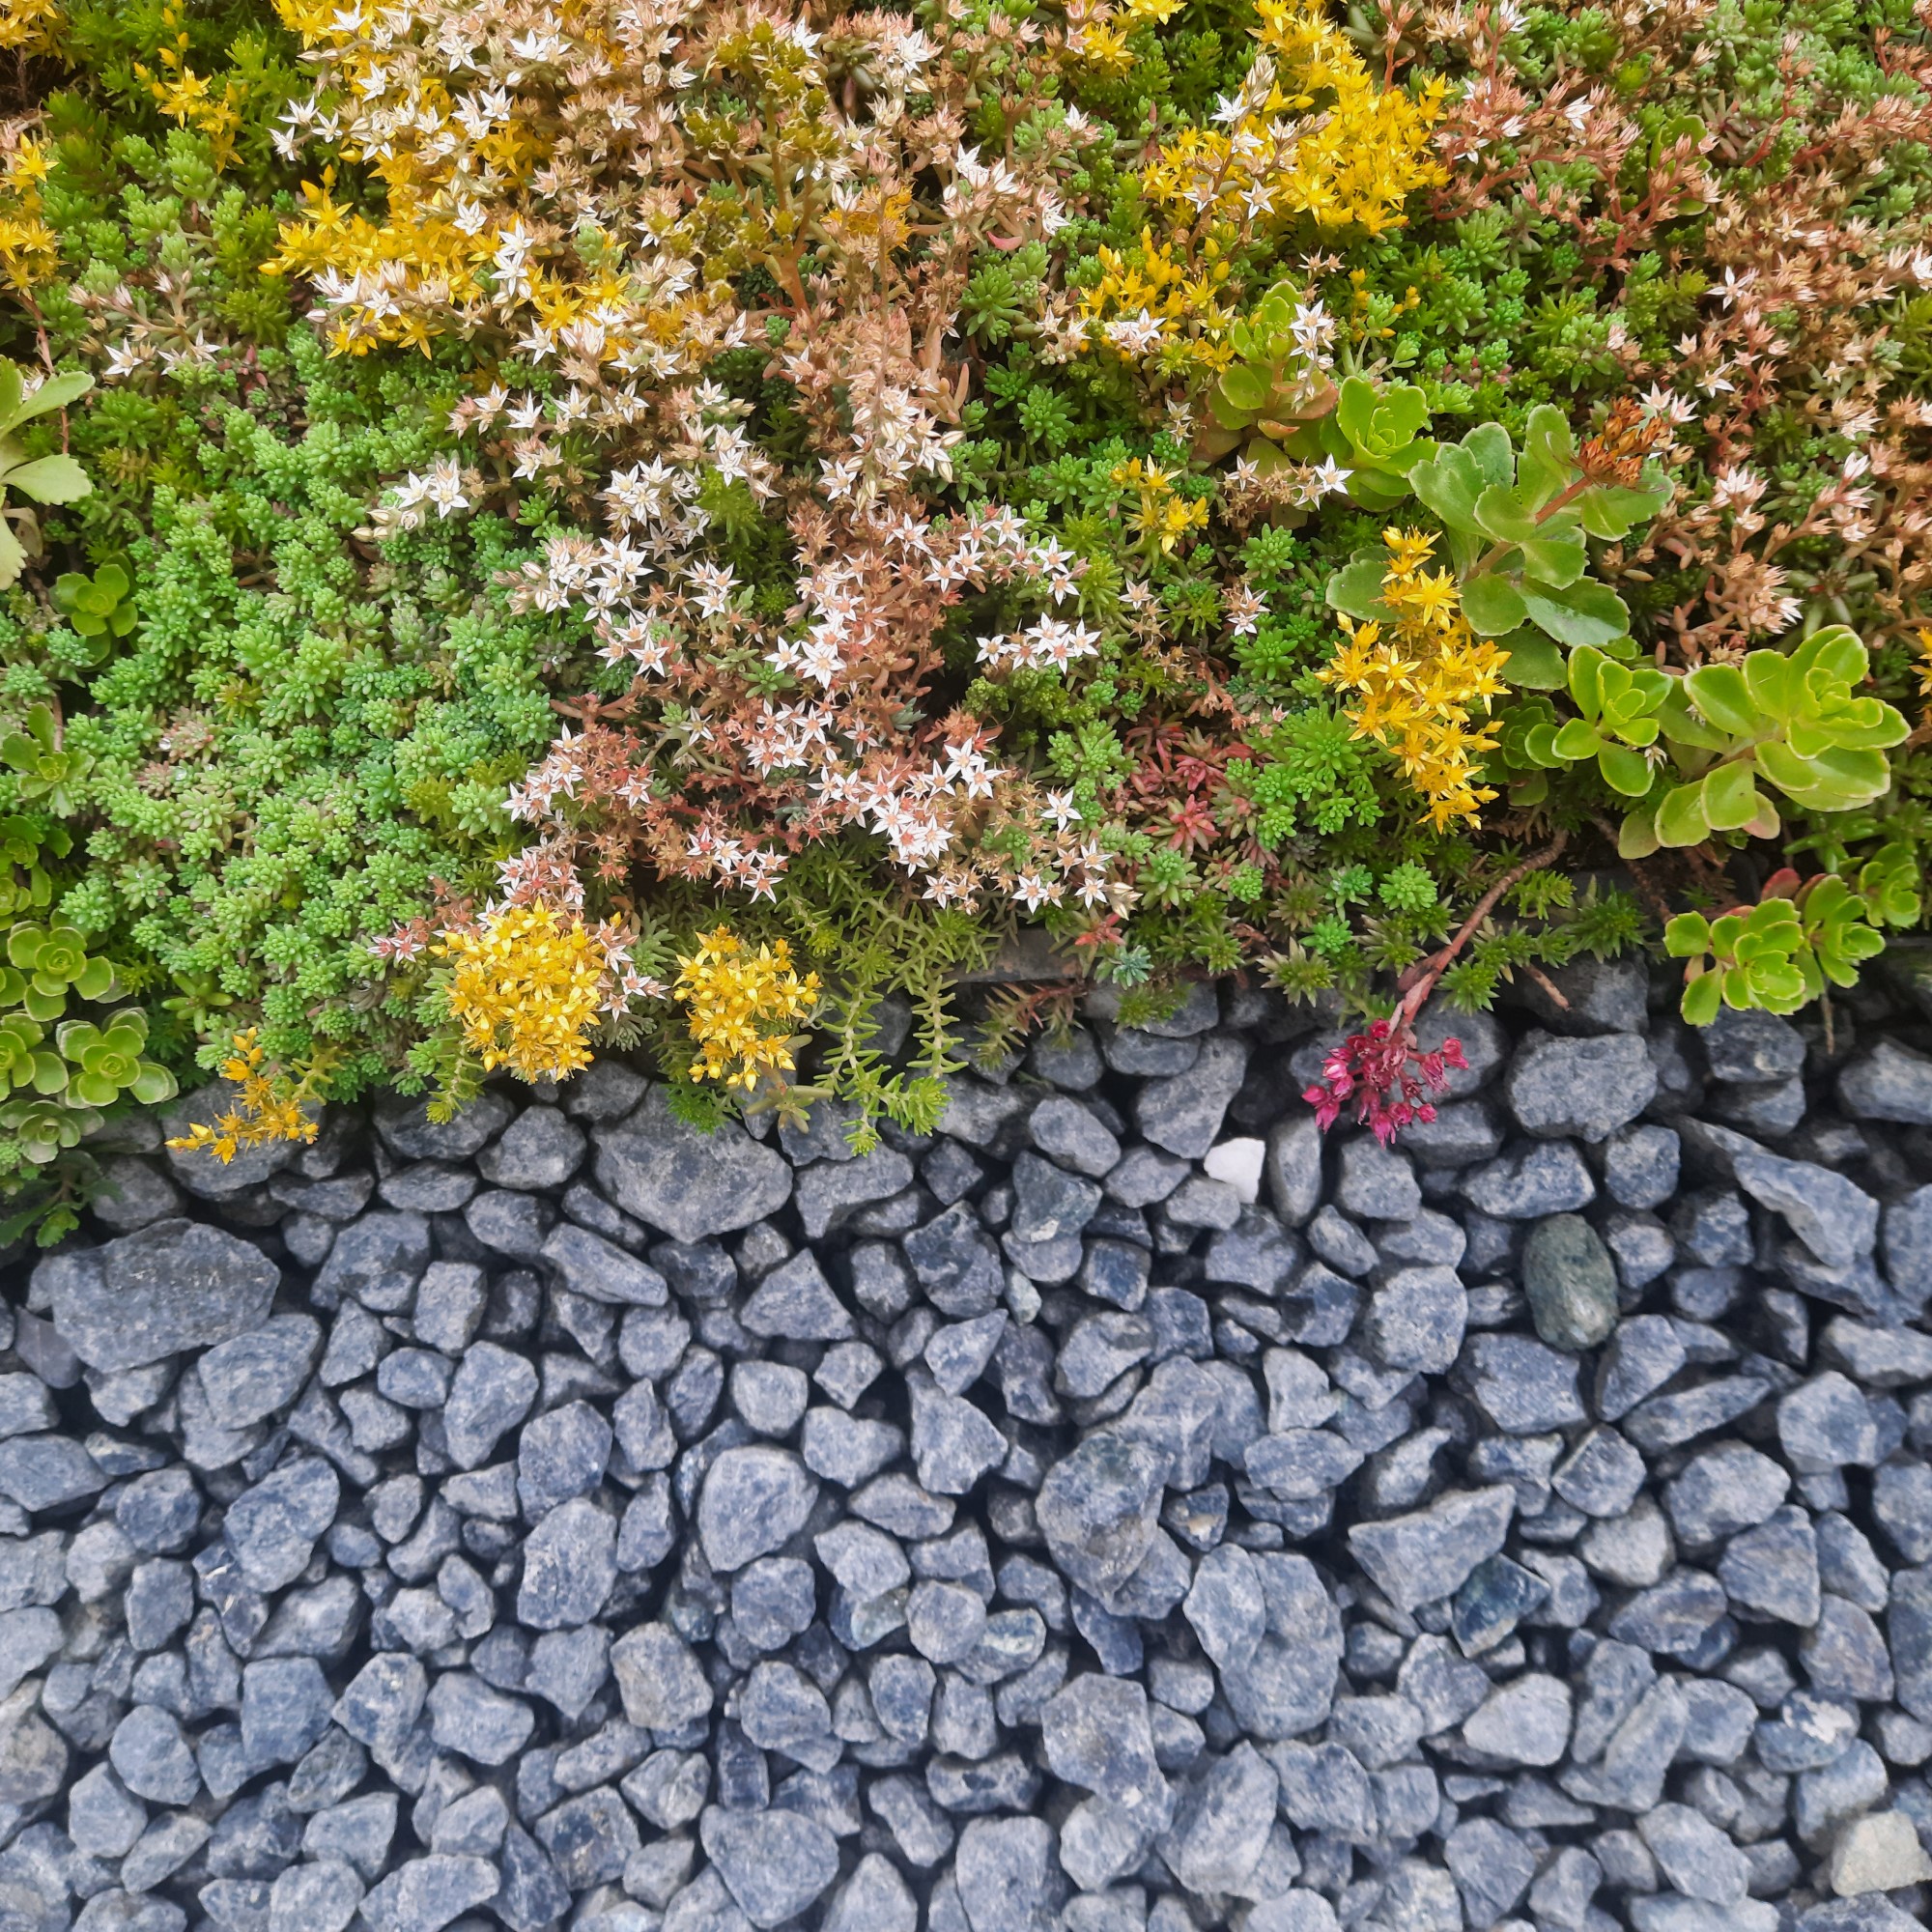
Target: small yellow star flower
[1414,691]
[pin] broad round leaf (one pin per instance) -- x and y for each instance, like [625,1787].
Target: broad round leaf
[1492,604]
[1680,819]
[1702,997]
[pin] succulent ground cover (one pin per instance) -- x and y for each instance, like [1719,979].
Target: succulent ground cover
[549,528]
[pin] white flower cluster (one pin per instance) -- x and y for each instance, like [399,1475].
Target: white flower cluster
[1048,643]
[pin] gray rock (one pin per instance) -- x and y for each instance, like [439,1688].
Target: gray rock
[408,1130]
[492,1392]
[954,1444]
[1640,1165]
[1751,1047]
[846,1449]
[1523,1721]
[1693,1855]
[1096,1509]
[1902,1506]
[1292,1169]
[1878,1852]
[570,1567]
[509,1223]
[1096,1735]
[1426,1556]
[1601,1476]
[1071,1134]
[484,1725]
[1523,1388]
[1375,1182]
[1570,1283]
[1723,1490]
[1599,995]
[1183,1112]
[774,1863]
[382,1702]
[1222,1819]
[1639,1246]
[1491,1866]
[1583,1088]
[830,1193]
[103,1818]
[981,1114]
[1835,1219]
[1891,1083]
[1672,1617]
[135,1194]
[449,1307]
[45,1472]
[1642,1355]
[273,1527]
[1904,1245]
[796,1301]
[562,1454]
[689,1183]
[541,1147]
[957,1354]
[1048,1202]
[754,1500]
[285,1709]
[598,1270]
[26,1405]
[249,1377]
[152,1755]
[1880,1358]
[320,1897]
[1530,1180]
[428,1892]
[1099,1350]
[175,1285]
[957,1265]
[873,1899]
[1462,1133]
[662,1684]
[1416,1320]
[376,1259]
[1827,1423]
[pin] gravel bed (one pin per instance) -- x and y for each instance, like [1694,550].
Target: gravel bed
[1119,1512]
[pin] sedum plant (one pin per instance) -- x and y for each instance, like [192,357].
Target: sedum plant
[1705,752]
[862,483]
[99,608]
[1798,939]
[1517,525]
[52,478]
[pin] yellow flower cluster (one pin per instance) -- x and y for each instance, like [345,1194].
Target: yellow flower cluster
[1925,663]
[1352,160]
[526,990]
[30,26]
[1162,518]
[191,99]
[1097,35]
[475,178]
[1417,688]
[269,1106]
[1309,134]
[743,1006]
[1152,302]
[28,249]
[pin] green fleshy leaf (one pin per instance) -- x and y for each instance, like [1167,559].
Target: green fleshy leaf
[1586,613]
[1492,604]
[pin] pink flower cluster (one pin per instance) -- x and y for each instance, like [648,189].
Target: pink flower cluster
[1385,1077]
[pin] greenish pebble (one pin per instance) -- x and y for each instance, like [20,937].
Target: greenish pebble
[1570,1282]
